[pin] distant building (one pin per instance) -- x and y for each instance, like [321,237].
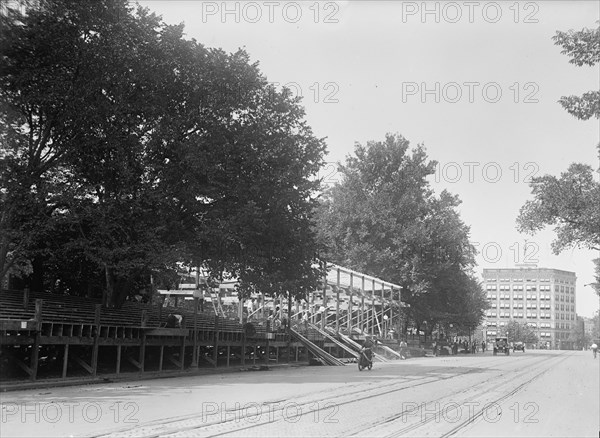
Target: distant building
[588,328]
[542,298]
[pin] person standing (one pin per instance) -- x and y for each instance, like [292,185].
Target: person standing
[595,349]
[403,348]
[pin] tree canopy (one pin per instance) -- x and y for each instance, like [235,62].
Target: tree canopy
[383,219]
[520,332]
[127,148]
[570,203]
[583,48]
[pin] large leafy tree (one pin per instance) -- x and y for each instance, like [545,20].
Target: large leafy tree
[384,219]
[127,148]
[570,203]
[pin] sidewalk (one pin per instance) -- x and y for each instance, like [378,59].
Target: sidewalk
[19,385]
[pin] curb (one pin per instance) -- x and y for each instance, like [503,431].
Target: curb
[132,377]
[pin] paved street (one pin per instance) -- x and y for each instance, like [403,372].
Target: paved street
[537,393]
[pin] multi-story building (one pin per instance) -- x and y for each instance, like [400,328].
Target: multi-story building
[542,298]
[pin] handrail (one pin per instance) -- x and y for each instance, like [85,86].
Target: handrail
[335,341]
[316,350]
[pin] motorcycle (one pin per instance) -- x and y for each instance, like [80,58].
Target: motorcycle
[366,359]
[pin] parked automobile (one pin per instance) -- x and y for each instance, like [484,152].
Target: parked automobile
[519,346]
[501,346]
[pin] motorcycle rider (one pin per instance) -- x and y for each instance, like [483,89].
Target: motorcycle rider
[366,349]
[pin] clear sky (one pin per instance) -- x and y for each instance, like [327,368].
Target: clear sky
[476,82]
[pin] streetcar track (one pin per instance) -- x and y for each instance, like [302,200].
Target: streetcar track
[401,414]
[337,403]
[435,415]
[233,415]
[233,412]
[498,401]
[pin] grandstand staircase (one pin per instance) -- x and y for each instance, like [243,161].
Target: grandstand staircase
[315,350]
[216,303]
[351,343]
[332,338]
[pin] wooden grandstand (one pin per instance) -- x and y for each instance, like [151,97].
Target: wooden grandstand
[44,335]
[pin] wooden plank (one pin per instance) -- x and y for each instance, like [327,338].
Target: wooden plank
[175,362]
[350,303]
[216,340]
[182,354]
[134,362]
[18,361]
[84,365]
[17,340]
[267,342]
[35,352]
[243,348]
[118,370]
[337,302]
[97,313]
[65,361]
[143,353]
[195,338]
